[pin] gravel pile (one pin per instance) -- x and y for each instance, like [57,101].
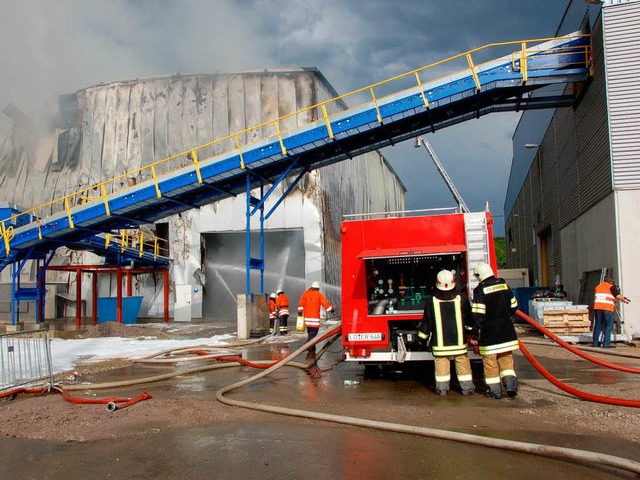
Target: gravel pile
[114,329]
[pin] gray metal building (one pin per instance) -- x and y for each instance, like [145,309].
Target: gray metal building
[113,129]
[573,199]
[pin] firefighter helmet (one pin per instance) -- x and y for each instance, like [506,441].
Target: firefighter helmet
[279,292]
[445,280]
[273,295]
[315,285]
[482,271]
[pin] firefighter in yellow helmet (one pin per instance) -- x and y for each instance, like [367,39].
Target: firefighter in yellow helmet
[447,316]
[493,305]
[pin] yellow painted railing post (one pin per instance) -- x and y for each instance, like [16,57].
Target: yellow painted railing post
[107,240]
[375,102]
[6,233]
[424,97]
[326,120]
[103,190]
[68,209]
[240,152]
[282,148]
[473,72]
[141,241]
[155,180]
[194,157]
[523,62]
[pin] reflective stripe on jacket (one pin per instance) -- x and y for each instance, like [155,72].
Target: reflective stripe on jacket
[272,309]
[282,304]
[444,319]
[493,305]
[604,298]
[309,306]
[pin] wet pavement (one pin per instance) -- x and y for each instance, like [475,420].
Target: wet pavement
[271,446]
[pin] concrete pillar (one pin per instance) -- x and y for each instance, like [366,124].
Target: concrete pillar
[252,313]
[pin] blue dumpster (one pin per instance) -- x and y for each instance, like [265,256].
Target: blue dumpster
[130,309]
[523,295]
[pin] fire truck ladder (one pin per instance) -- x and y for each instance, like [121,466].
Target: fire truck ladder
[475,224]
[477,233]
[445,176]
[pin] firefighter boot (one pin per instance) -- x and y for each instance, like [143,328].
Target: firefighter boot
[442,388]
[495,391]
[467,388]
[510,383]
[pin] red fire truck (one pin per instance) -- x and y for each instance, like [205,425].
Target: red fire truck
[389,265]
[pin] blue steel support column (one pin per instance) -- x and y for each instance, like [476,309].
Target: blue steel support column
[15,305]
[262,238]
[248,236]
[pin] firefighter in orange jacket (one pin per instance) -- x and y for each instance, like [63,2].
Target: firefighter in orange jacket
[272,312]
[604,304]
[447,319]
[282,307]
[309,307]
[493,305]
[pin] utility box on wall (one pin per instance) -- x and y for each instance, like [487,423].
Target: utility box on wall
[182,307]
[515,277]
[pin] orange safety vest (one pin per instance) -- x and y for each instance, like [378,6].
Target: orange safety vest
[604,300]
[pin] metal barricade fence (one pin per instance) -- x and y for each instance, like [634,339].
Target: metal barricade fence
[25,357]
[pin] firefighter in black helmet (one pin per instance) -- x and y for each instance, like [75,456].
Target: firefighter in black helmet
[493,305]
[447,316]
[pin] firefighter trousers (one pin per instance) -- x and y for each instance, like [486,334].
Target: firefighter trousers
[284,324]
[463,372]
[498,368]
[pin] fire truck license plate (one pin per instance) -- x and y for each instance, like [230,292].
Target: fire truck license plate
[364,337]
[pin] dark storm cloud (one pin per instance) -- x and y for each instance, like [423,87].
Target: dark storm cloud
[58,47]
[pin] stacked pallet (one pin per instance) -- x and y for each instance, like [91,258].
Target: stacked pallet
[567,322]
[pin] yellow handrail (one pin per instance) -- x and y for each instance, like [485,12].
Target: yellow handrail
[149,171]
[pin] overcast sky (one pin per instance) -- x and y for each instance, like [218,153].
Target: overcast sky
[49,48]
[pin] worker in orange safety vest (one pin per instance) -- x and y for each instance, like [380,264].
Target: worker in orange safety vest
[272,312]
[309,307]
[282,308]
[604,304]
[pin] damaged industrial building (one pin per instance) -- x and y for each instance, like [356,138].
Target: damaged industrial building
[113,130]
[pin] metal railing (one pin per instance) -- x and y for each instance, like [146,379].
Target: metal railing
[25,358]
[278,128]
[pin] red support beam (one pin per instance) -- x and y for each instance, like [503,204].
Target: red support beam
[129,284]
[166,294]
[78,298]
[94,298]
[119,296]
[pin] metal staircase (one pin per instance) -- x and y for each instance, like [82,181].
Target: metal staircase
[504,84]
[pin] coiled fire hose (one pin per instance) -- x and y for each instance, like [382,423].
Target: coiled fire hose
[110,402]
[525,447]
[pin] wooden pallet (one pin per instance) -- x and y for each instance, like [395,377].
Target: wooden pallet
[567,322]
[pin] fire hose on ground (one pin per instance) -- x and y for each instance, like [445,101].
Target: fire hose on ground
[112,403]
[562,386]
[525,447]
[334,333]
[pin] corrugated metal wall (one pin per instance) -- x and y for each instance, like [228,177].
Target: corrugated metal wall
[621,40]
[570,174]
